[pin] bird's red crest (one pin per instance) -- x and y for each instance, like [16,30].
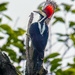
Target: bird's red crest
[48,10]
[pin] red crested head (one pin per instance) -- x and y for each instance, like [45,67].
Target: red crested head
[48,10]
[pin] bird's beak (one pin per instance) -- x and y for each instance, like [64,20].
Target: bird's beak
[41,12]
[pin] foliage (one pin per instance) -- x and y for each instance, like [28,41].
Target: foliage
[58,19]
[13,38]
[56,65]
[50,56]
[71,36]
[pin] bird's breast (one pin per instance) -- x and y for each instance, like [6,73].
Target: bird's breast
[34,30]
[39,41]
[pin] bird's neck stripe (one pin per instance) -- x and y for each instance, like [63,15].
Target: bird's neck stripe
[43,17]
[41,29]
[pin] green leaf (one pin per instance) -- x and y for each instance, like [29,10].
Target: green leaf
[53,55]
[59,72]
[58,9]
[45,59]
[71,65]
[55,60]
[59,19]
[12,54]
[40,7]
[18,67]
[1,38]
[6,28]
[21,30]
[62,34]
[19,59]
[74,59]
[3,8]
[66,6]
[54,66]
[7,17]
[13,38]
[4,4]
[74,30]
[19,45]
[55,22]
[71,70]
[73,38]
[73,11]
[61,40]
[0,19]
[50,56]
[4,47]
[71,24]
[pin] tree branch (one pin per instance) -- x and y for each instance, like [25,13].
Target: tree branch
[28,71]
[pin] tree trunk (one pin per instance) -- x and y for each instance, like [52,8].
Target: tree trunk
[29,52]
[6,68]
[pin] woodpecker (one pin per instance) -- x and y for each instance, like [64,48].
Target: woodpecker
[39,34]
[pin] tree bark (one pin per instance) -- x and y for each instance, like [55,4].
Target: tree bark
[29,52]
[6,68]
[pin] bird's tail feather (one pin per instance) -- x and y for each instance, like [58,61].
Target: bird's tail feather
[37,60]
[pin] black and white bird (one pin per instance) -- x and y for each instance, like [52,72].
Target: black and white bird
[39,35]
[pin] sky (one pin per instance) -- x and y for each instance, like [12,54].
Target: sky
[19,11]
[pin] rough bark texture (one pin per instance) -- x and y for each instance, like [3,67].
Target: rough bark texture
[6,68]
[29,52]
